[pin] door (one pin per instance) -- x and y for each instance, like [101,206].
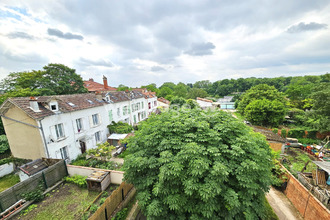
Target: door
[82,146]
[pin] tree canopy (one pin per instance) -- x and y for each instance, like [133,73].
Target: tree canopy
[194,164]
[54,79]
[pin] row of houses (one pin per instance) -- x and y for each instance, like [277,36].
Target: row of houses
[64,126]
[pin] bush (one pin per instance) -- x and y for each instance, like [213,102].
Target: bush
[102,200]
[296,133]
[121,215]
[120,128]
[275,130]
[4,145]
[308,141]
[311,134]
[93,208]
[283,133]
[77,179]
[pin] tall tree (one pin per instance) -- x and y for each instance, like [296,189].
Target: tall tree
[192,164]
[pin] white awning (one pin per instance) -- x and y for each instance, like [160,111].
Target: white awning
[117,136]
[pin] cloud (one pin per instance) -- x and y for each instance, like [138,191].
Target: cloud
[18,34]
[100,62]
[60,34]
[157,68]
[302,26]
[201,49]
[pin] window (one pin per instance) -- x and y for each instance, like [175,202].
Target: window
[125,110]
[133,108]
[59,131]
[134,119]
[64,153]
[79,124]
[53,107]
[97,137]
[138,106]
[118,111]
[110,116]
[96,120]
[142,105]
[155,103]
[149,105]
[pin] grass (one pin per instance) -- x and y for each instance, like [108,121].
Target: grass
[8,181]
[269,212]
[66,202]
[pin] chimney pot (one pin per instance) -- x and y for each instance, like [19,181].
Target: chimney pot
[91,79]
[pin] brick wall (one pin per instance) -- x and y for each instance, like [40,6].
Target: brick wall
[308,206]
[275,146]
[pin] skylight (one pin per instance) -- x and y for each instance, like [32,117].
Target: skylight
[71,104]
[90,101]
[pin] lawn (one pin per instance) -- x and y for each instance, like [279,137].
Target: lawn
[65,202]
[8,181]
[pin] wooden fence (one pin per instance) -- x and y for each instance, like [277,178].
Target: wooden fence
[46,178]
[112,202]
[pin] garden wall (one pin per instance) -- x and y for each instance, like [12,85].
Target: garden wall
[6,169]
[116,176]
[112,202]
[275,146]
[47,178]
[307,205]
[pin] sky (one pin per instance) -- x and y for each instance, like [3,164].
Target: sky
[141,42]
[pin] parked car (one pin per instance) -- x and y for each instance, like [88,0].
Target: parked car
[293,142]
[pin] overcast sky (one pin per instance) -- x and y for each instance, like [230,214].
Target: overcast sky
[140,42]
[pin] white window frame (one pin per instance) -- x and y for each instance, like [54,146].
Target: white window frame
[118,112]
[97,136]
[59,131]
[96,119]
[79,124]
[64,153]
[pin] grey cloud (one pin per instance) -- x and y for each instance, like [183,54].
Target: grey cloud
[25,58]
[201,49]
[23,35]
[60,34]
[157,68]
[306,27]
[102,62]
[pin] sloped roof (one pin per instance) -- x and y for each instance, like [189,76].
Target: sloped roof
[121,96]
[145,92]
[161,99]
[34,167]
[94,86]
[66,103]
[204,100]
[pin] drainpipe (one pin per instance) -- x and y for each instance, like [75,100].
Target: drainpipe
[43,138]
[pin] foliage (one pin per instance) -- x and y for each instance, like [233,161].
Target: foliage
[29,209]
[196,92]
[96,163]
[275,130]
[121,215]
[102,200]
[311,134]
[93,208]
[178,101]
[308,141]
[77,179]
[199,165]
[269,212]
[103,151]
[34,195]
[296,133]
[124,154]
[4,145]
[8,181]
[265,112]
[120,127]
[278,176]
[283,133]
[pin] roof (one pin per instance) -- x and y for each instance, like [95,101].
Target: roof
[270,136]
[226,99]
[161,99]
[145,92]
[115,136]
[34,167]
[94,86]
[204,100]
[66,103]
[324,165]
[97,176]
[121,96]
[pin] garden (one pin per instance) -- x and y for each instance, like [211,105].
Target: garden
[8,181]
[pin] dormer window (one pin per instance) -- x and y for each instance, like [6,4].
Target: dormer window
[53,105]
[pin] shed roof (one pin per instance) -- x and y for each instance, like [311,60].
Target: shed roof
[324,165]
[117,136]
[34,167]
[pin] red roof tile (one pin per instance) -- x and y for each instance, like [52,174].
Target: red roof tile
[94,86]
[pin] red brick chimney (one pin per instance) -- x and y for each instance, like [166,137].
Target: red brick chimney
[91,79]
[105,82]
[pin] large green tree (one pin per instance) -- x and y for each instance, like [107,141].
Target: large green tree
[194,164]
[54,79]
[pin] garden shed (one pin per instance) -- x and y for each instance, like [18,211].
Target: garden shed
[114,139]
[98,181]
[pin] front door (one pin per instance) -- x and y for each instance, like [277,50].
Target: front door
[82,146]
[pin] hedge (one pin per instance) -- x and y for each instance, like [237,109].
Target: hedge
[296,133]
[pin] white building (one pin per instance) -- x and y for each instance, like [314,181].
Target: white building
[65,126]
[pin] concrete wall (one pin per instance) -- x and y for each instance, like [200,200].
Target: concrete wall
[116,176]
[24,141]
[308,206]
[6,169]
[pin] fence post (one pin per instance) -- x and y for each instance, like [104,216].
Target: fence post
[66,168]
[44,179]
[122,194]
[105,213]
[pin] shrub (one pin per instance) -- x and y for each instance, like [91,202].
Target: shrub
[77,179]
[102,200]
[120,127]
[93,208]
[296,133]
[4,145]
[121,215]
[311,134]
[283,133]
[308,141]
[275,130]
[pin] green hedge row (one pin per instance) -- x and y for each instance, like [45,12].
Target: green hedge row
[300,133]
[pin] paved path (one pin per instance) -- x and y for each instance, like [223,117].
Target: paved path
[282,205]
